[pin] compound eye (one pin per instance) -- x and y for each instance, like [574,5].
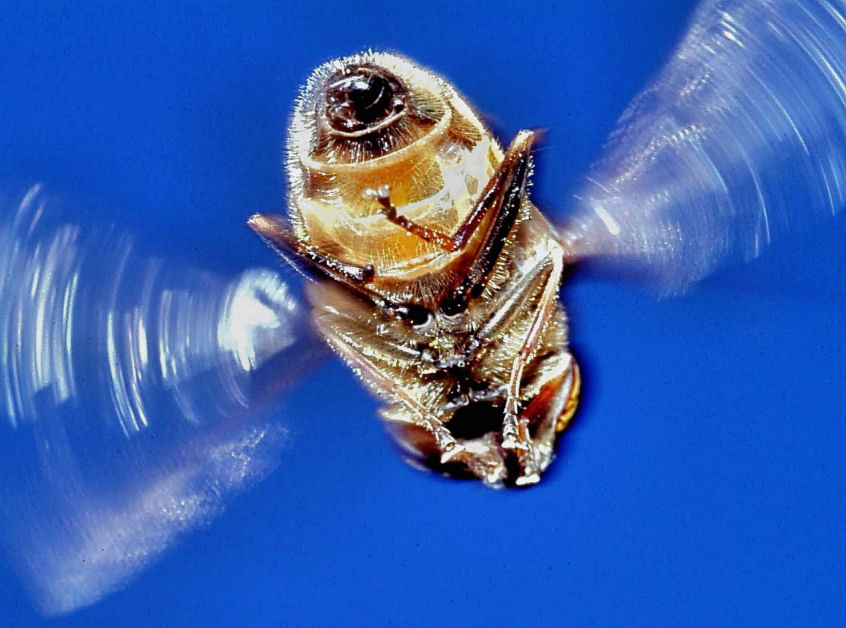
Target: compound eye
[454,306]
[418,316]
[363,99]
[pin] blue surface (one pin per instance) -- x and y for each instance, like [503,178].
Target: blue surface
[703,481]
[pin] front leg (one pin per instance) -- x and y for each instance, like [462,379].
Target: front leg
[277,234]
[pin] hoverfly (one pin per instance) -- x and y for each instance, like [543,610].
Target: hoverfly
[691,178]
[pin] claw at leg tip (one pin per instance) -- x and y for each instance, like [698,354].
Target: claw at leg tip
[451,452]
[528,480]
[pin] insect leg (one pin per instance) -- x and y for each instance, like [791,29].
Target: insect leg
[276,233]
[448,243]
[490,200]
[505,194]
[515,430]
[513,296]
[482,459]
[386,383]
[559,409]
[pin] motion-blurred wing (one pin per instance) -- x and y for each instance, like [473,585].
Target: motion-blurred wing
[742,136]
[130,392]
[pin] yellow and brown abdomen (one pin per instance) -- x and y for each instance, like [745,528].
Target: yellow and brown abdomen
[435,162]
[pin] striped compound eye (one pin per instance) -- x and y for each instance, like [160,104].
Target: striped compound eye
[363,99]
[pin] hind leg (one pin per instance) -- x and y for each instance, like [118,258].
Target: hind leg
[515,428]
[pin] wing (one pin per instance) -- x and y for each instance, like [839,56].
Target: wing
[740,138]
[131,392]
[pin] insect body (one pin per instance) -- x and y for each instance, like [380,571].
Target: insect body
[439,277]
[438,282]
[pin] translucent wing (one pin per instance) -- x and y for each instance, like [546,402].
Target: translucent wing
[130,395]
[740,137]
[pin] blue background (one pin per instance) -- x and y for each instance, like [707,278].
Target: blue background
[703,481]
